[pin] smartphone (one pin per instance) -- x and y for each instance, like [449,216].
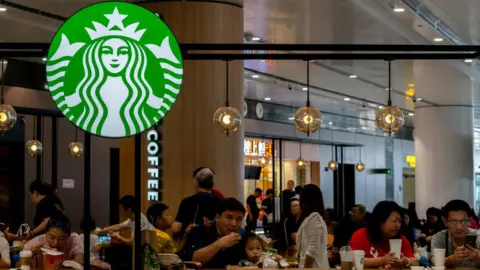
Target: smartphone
[471,240]
[105,239]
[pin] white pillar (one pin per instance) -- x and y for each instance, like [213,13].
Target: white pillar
[443,136]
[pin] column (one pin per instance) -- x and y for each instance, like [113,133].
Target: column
[188,137]
[443,136]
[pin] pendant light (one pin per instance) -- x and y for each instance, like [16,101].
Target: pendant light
[75,148]
[227,119]
[308,119]
[34,147]
[390,118]
[333,165]
[360,167]
[300,162]
[8,115]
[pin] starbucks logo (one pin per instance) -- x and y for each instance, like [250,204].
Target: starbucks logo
[114,69]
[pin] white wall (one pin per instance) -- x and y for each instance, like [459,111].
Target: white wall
[369,188]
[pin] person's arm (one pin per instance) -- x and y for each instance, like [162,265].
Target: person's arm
[438,241]
[113,228]
[76,249]
[180,219]
[39,229]
[182,243]
[315,230]
[5,253]
[204,255]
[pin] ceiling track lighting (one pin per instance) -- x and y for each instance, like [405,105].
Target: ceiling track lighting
[227,119]
[308,119]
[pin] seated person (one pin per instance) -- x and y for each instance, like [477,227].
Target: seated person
[218,244]
[384,224]
[160,218]
[58,236]
[432,226]
[345,229]
[254,254]
[127,206]
[95,245]
[457,220]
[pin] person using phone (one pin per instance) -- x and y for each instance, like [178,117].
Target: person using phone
[460,242]
[95,244]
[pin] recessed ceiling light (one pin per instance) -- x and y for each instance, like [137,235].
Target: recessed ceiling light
[44,59]
[353,76]
[364,128]
[380,107]
[255,76]
[267,98]
[419,99]
[255,38]
[468,60]
[291,118]
[3,9]
[386,88]
[411,114]
[312,61]
[305,88]
[438,39]
[346,99]
[398,9]
[330,123]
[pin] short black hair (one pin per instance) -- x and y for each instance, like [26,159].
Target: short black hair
[298,189]
[269,191]
[87,227]
[127,202]
[59,221]
[230,204]
[259,190]
[155,211]
[456,205]
[205,180]
[250,236]
[432,211]
[379,216]
[311,200]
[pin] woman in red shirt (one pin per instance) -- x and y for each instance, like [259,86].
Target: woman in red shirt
[384,224]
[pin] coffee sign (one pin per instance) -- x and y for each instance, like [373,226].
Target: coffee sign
[114,69]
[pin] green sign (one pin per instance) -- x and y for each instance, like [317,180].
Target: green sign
[114,69]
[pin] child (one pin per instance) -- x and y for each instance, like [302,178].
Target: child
[160,218]
[254,254]
[95,245]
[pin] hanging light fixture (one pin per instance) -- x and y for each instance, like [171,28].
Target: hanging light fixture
[332,165]
[227,119]
[34,147]
[308,119]
[8,115]
[390,118]
[300,162]
[360,167]
[75,148]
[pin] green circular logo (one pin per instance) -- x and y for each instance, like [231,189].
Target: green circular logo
[114,69]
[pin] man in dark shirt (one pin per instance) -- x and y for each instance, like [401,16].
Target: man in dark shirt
[218,244]
[253,210]
[198,208]
[286,195]
[345,229]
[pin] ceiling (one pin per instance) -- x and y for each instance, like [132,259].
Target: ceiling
[315,21]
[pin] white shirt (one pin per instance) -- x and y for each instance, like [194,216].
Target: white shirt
[4,249]
[94,242]
[144,224]
[312,237]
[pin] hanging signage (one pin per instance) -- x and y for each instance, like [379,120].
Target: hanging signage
[152,167]
[257,148]
[114,69]
[411,161]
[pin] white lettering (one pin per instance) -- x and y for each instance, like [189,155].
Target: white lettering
[152,184]
[152,135]
[152,195]
[153,172]
[152,148]
[153,161]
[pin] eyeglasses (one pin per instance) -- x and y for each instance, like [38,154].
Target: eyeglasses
[53,223]
[459,222]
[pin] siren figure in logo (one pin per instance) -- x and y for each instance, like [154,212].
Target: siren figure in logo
[114,92]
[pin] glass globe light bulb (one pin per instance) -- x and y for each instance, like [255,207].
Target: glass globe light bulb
[332,165]
[8,117]
[390,119]
[308,119]
[300,163]
[34,148]
[75,149]
[360,167]
[227,119]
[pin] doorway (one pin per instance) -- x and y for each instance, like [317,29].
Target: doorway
[408,186]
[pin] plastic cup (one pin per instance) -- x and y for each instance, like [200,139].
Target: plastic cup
[396,247]
[26,259]
[358,259]
[439,256]
[346,258]
[417,268]
[52,261]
